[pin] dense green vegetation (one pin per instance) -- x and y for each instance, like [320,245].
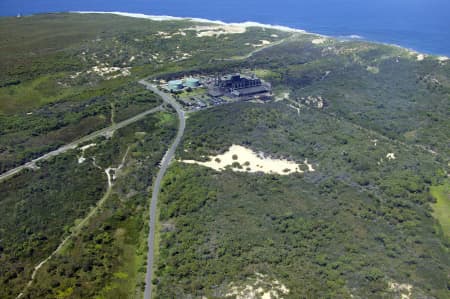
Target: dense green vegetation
[403,99]
[26,137]
[37,210]
[111,250]
[108,260]
[359,223]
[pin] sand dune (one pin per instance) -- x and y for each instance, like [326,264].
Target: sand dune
[242,159]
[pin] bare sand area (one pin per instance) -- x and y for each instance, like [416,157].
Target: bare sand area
[243,159]
[216,30]
[262,287]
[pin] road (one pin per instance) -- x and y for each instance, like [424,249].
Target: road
[103,132]
[157,185]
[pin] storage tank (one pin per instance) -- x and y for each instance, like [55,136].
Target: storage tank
[192,82]
[175,85]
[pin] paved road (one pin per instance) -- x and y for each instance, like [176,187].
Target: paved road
[157,185]
[103,132]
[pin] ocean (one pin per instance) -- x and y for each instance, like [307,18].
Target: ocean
[421,25]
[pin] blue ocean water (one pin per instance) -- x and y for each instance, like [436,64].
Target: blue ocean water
[422,25]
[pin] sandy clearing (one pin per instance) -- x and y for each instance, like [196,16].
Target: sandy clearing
[318,41]
[103,71]
[420,57]
[391,156]
[404,289]
[75,76]
[217,30]
[262,43]
[283,96]
[373,69]
[251,162]
[262,287]
[83,149]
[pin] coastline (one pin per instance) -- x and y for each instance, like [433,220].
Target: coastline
[247,24]
[199,20]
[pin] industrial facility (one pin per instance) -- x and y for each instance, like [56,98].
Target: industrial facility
[179,85]
[239,86]
[203,91]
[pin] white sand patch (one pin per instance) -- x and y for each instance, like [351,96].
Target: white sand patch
[113,72]
[217,30]
[75,76]
[404,289]
[242,159]
[274,35]
[390,156]
[83,149]
[443,60]
[283,96]
[310,166]
[373,69]
[420,57]
[132,59]
[318,41]
[262,43]
[262,287]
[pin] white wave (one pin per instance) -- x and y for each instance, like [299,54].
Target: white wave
[200,20]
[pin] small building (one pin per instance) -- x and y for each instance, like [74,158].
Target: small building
[250,91]
[201,104]
[192,82]
[215,92]
[175,85]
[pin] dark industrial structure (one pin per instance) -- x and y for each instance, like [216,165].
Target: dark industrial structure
[236,81]
[237,85]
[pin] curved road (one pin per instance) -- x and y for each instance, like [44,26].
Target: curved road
[157,185]
[103,132]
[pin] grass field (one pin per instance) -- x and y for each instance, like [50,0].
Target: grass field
[441,209]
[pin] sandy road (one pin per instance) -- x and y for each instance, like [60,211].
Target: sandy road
[77,228]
